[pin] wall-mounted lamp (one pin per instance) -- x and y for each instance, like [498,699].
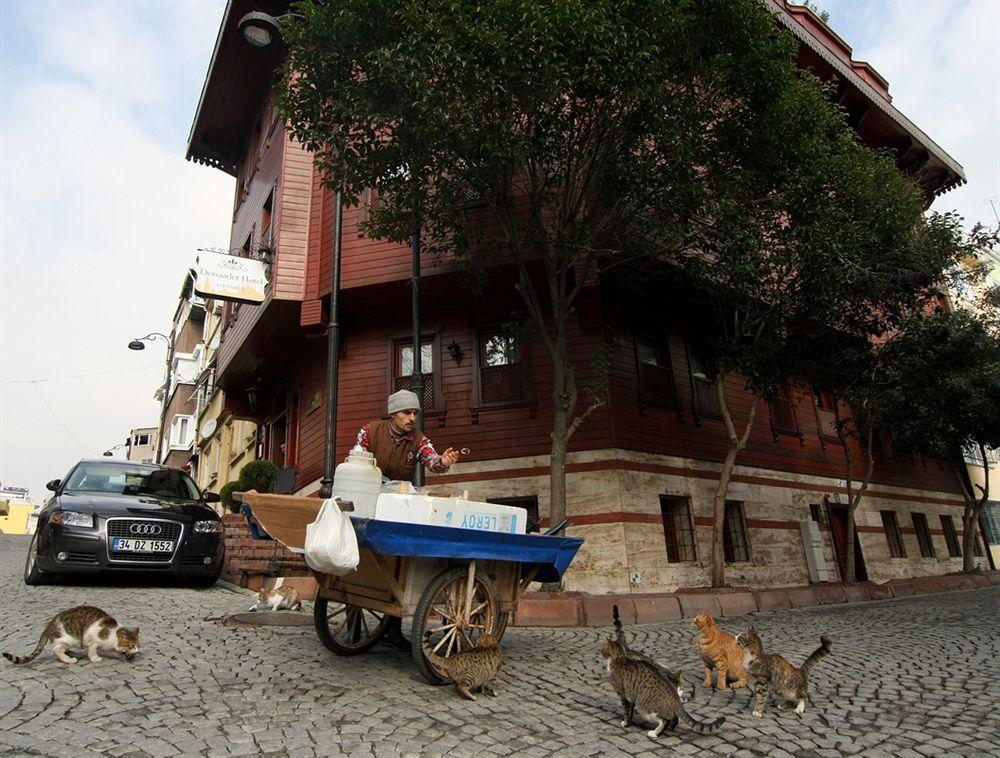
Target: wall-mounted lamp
[111,451]
[254,392]
[455,351]
[262,29]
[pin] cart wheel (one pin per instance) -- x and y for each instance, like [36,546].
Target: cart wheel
[347,629]
[502,620]
[451,616]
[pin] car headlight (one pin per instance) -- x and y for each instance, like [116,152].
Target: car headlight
[207,527]
[72,518]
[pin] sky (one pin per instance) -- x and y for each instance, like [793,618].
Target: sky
[101,216]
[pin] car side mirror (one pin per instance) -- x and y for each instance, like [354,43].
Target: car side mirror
[211,497]
[53,486]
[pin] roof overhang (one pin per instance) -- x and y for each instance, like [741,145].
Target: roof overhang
[918,155]
[239,76]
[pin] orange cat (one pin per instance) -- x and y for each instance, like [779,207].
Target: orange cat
[721,650]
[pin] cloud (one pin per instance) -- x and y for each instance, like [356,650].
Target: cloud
[101,217]
[942,60]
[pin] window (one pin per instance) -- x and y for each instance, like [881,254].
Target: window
[950,537]
[816,512]
[180,431]
[141,439]
[706,401]
[267,230]
[826,412]
[402,370]
[530,504]
[892,534]
[655,377]
[923,535]
[735,543]
[783,419]
[502,378]
[677,529]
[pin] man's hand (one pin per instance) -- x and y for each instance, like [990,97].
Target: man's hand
[450,456]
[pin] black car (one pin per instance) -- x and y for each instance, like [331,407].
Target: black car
[118,516]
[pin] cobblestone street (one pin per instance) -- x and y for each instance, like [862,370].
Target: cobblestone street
[916,676]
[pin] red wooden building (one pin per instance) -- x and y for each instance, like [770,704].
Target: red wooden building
[643,468]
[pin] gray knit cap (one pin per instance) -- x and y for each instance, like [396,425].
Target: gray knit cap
[404,400]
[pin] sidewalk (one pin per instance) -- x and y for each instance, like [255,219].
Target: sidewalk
[582,609]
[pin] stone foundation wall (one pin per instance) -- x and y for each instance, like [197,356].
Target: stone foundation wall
[614,502]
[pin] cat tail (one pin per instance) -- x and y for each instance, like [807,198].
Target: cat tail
[821,652]
[48,634]
[619,632]
[699,726]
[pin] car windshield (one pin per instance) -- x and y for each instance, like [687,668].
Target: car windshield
[132,480]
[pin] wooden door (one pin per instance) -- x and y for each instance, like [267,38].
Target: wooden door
[837,518]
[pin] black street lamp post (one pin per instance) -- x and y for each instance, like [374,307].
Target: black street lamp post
[139,343]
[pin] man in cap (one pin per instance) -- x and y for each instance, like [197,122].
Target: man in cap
[398,446]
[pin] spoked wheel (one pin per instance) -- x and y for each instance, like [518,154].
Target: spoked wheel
[503,618]
[347,629]
[457,607]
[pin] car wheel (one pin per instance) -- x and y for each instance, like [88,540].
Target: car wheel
[33,575]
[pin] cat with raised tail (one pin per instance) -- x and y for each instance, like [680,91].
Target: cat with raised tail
[644,690]
[772,674]
[472,668]
[674,677]
[278,599]
[87,628]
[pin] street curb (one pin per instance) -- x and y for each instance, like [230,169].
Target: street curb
[567,609]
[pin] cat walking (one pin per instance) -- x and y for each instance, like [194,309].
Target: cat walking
[772,674]
[644,690]
[673,677]
[83,627]
[471,668]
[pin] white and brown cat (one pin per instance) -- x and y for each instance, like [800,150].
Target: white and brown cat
[84,628]
[278,599]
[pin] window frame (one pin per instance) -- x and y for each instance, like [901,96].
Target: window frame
[735,528]
[671,532]
[950,536]
[396,343]
[784,395]
[661,346]
[893,535]
[702,386]
[923,532]
[527,396]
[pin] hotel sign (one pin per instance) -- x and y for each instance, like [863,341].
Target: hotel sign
[227,277]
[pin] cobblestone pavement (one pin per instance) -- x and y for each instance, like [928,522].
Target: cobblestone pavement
[908,677]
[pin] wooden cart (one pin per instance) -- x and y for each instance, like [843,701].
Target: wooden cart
[454,583]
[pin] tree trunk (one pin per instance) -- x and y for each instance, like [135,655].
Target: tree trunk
[737,442]
[853,500]
[973,508]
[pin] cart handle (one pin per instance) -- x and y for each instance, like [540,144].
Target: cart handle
[560,527]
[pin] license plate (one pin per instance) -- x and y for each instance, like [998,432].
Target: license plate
[142,546]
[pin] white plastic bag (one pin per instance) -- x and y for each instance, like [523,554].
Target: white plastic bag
[331,544]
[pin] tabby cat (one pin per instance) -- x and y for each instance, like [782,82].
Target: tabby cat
[278,599]
[773,674]
[84,627]
[471,668]
[721,650]
[643,689]
[674,677]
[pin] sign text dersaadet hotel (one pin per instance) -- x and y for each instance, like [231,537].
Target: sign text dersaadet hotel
[227,277]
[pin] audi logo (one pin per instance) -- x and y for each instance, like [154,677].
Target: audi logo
[147,529]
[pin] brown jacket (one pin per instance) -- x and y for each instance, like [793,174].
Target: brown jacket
[396,456]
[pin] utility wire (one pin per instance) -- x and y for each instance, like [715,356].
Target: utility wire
[45,402]
[77,376]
